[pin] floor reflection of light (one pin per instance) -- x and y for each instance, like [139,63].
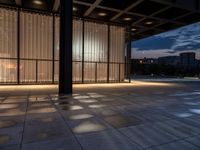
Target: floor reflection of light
[75,107]
[97,96]
[88,126]
[91,93]
[12,112]
[88,101]
[25,88]
[75,94]
[32,99]
[81,97]
[191,103]
[196,111]
[183,115]
[81,116]
[197,93]
[97,106]
[8,106]
[107,99]
[42,110]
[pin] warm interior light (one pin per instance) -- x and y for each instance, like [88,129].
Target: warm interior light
[133,29]
[75,9]
[127,19]
[102,14]
[38,2]
[149,22]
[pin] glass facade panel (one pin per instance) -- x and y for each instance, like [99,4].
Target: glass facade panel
[36,36]
[77,72]
[95,42]
[28,71]
[8,33]
[56,38]
[8,71]
[44,72]
[56,71]
[117,46]
[8,46]
[102,72]
[89,72]
[38,60]
[114,72]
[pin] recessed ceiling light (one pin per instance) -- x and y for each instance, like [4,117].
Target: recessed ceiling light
[75,9]
[38,2]
[127,19]
[133,29]
[149,22]
[102,14]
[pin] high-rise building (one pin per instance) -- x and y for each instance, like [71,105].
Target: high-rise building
[187,59]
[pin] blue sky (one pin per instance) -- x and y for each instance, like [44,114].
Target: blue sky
[169,43]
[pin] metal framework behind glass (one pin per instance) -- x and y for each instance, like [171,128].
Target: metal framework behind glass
[95,55]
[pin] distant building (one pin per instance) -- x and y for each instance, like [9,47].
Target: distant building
[188,59]
[169,60]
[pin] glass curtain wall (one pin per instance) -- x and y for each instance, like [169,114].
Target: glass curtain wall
[77,50]
[36,38]
[95,52]
[33,53]
[117,60]
[8,46]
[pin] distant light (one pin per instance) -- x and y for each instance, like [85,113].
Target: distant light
[38,2]
[149,22]
[102,14]
[133,29]
[127,19]
[75,9]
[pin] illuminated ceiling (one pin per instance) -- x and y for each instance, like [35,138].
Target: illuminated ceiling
[147,17]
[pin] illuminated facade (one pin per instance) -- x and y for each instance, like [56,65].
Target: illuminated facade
[29,49]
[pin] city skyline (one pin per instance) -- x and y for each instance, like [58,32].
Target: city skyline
[171,43]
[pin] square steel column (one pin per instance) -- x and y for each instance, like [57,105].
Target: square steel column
[65,64]
[129,54]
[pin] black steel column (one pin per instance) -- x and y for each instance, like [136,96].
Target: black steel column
[18,46]
[53,50]
[129,54]
[108,61]
[65,64]
[83,45]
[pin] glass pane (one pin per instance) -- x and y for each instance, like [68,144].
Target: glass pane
[89,72]
[36,36]
[77,71]
[102,72]
[8,33]
[114,72]
[8,70]
[56,71]
[27,71]
[44,71]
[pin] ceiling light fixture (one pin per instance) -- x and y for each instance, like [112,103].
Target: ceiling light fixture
[75,9]
[127,19]
[102,14]
[133,29]
[149,22]
[38,2]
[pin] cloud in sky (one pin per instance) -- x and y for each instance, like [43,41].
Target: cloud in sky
[182,39]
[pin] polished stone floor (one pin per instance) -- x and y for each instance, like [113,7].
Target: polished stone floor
[137,116]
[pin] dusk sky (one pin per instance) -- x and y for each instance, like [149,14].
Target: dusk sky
[169,43]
